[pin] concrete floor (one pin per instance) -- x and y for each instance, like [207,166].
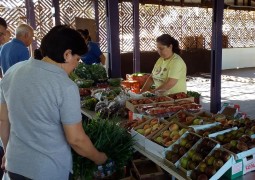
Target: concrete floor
[237,87]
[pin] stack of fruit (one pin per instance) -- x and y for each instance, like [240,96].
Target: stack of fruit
[181,147]
[170,135]
[234,135]
[212,129]
[210,165]
[244,143]
[151,126]
[196,154]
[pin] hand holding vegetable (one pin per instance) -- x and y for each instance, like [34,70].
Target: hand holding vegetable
[101,159]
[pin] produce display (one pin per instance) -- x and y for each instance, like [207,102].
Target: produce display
[211,164]
[151,126]
[107,136]
[201,144]
[170,135]
[179,149]
[197,153]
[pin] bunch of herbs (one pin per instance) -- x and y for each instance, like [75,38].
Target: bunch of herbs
[107,136]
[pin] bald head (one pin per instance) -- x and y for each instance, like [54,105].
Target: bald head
[25,33]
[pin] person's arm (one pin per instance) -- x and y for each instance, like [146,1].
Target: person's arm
[4,125]
[81,143]
[147,85]
[102,58]
[168,84]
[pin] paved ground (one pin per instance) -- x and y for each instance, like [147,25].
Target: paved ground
[237,87]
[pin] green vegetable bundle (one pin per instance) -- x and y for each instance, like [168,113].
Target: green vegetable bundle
[107,136]
[193,94]
[94,71]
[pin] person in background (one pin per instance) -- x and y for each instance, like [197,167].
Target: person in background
[94,54]
[16,50]
[3,27]
[169,72]
[40,115]
[7,36]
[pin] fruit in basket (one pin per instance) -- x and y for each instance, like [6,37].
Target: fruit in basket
[191,153]
[202,177]
[153,121]
[194,175]
[175,158]
[183,141]
[159,139]
[210,160]
[155,127]
[166,134]
[175,137]
[197,157]
[141,131]
[173,127]
[182,131]
[173,133]
[192,165]
[184,162]
[146,126]
[225,156]
[245,138]
[233,143]
[168,143]
[202,166]
[147,131]
[169,155]
[217,164]
[242,146]
[188,145]
[197,121]
[182,151]
[176,148]
[210,171]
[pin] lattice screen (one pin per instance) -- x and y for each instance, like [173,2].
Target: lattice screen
[102,26]
[75,8]
[239,27]
[43,18]
[190,25]
[14,12]
[126,26]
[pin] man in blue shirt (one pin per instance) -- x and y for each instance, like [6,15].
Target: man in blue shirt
[16,50]
[94,54]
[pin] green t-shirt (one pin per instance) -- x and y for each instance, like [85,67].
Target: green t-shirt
[174,68]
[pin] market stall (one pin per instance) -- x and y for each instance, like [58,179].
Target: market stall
[176,133]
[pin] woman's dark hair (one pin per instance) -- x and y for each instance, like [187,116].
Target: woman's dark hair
[167,40]
[38,54]
[3,22]
[85,33]
[59,39]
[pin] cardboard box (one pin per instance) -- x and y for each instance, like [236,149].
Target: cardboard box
[248,164]
[146,169]
[155,148]
[178,163]
[147,101]
[170,148]
[224,168]
[235,171]
[139,138]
